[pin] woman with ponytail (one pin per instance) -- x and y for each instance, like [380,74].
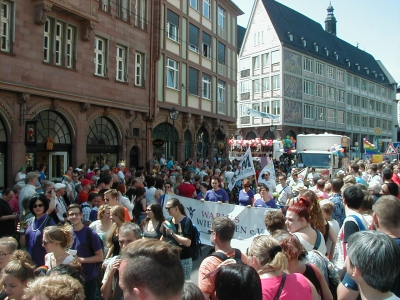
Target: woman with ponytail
[266,256]
[118,218]
[16,275]
[298,222]
[57,240]
[177,230]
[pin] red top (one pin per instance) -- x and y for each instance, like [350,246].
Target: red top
[186,190]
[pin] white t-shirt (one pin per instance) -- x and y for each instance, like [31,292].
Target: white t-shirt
[285,193]
[335,226]
[49,256]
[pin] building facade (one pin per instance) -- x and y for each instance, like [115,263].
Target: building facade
[195,81]
[315,82]
[75,83]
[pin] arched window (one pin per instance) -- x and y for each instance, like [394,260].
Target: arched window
[269,135]
[101,132]
[166,132]
[202,139]
[188,144]
[251,135]
[3,135]
[51,124]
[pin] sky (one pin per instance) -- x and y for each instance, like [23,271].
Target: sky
[373,24]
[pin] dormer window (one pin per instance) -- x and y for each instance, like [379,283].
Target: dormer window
[326,51]
[316,47]
[348,62]
[357,66]
[366,70]
[290,35]
[375,74]
[303,42]
[336,55]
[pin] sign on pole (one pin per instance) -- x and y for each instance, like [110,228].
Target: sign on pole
[391,150]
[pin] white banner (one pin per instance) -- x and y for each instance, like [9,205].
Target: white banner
[244,169]
[270,168]
[249,221]
[255,113]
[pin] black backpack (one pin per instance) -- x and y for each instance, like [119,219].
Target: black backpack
[195,245]
[223,257]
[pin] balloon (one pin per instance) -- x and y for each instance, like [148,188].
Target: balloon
[364,139]
[287,136]
[340,154]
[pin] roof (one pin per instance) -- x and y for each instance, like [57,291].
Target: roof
[241,31]
[285,19]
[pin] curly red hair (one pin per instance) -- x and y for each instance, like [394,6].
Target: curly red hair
[301,208]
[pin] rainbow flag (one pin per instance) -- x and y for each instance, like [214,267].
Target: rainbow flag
[369,148]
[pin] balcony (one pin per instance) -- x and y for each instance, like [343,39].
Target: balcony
[84,10]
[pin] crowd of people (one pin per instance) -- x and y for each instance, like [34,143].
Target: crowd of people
[111,233]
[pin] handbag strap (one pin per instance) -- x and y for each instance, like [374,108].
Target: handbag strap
[318,242]
[279,292]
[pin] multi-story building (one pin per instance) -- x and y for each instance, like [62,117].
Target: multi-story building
[315,82]
[75,83]
[195,78]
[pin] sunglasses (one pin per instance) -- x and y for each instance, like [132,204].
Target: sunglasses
[246,186]
[37,205]
[45,243]
[168,208]
[210,231]
[167,186]
[148,209]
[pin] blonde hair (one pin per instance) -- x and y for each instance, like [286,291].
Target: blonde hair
[55,287]
[20,266]
[101,210]
[269,253]
[120,212]
[60,234]
[9,242]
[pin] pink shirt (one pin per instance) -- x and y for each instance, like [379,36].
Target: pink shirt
[296,287]
[14,204]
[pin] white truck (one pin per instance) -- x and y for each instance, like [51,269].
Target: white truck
[315,150]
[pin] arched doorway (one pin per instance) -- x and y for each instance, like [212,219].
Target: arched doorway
[251,135]
[102,142]
[134,157]
[3,153]
[202,140]
[269,135]
[188,144]
[53,147]
[168,134]
[219,142]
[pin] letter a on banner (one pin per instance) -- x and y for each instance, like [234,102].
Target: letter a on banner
[391,150]
[244,169]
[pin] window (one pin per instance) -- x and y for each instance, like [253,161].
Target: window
[276,104]
[193,81]
[6,24]
[308,87]
[256,86]
[141,14]
[139,69]
[384,92]
[275,57]
[206,86]
[349,99]
[320,69]
[266,107]
[371,122]
[100,56]
[371,87]
[244,64]
[258,38]
[378,122]
[378,90]
[193,38]
[349,118]
[349,80]
[356,120]
[206,8]
[221,53]
[265,60]
[172,73]
[121,65]
[331,93]
[330,72]
[276,82]
[308,65]
[59,43]
[320,113]
[384,108]
[364,103]
[266,85]
[244,86]
[331,115]
[304,42]
[356,101]
[364,85]
[378,106]
[340,116]
[206,45]
[221,17]
[308,111]
[320,91]
[104,5]
[221,96]
[256,62]
[364,121]
[172,26]
[340,96]
[194,4]
[123,9]
[372,105]
[340,76]
[356,82]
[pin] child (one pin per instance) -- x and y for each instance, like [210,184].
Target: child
[327,211]
[16,275]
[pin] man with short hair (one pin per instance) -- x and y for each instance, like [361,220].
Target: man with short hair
[163,161]
[186,189]
[107,182]
[60,205]
[216,194]
[151,270]
[88,253]
[373,263]
[127,233]
[386,219]
[221,234]
[98,201]
[337,200]
[374,176]
[75,181]
[87,208]
[269,182]
[284,191]
[86,188]
[355,171]
[320,190]
[111,198]
[107,165]
[29,189]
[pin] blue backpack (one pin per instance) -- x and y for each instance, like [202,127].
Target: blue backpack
[195,245]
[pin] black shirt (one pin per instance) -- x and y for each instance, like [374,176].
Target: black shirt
[7,228]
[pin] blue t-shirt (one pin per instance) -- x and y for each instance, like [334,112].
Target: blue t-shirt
[349,283]
[215,196]
[83,249]
[245,198]
[261,203]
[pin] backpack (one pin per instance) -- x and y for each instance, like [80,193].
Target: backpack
[223,257]
[195,245]
[89,240]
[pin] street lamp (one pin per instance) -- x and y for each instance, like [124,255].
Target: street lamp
[356,145]
[173,114]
